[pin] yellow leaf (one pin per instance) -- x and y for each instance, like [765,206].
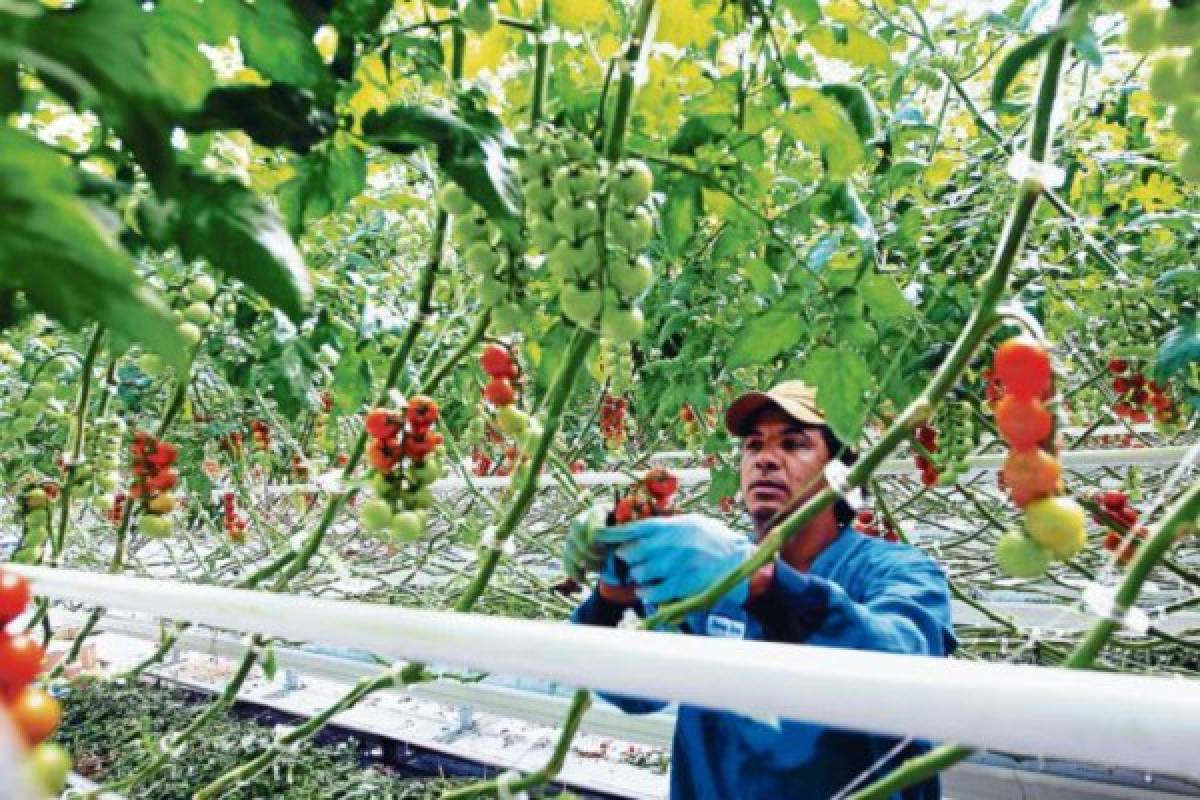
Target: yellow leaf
[848,43]
[687,23]
[579,14]
[939,170]
[843,10]
[716,202]
[489,50]
[821,125]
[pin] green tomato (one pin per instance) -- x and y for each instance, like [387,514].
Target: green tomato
[632,229]
[581,306]
[631,278]
[512,420]
[375,514]
[1167,82]
[202,289]
[540,196]
[198,313]
[478,16]
[622,324]
[48,765]
[1143,29]
[482,259]
[633,183]
[1021,557]
[575,219]
[407,526]
[190,333]
[155,526]
[544,235]
[453,200]
[427,471]
[1056,523]
[472,228]
[36,498]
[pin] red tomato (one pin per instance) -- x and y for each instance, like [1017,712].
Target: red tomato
[496,361]
[1023,422]
[383,423]
[14,596]
[1030,475]
[36,714]
[499,392]
[1023,366]
[20,659]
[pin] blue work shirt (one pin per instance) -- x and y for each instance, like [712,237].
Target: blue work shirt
[860,593]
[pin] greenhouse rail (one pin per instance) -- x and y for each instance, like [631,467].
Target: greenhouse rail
[1141,722]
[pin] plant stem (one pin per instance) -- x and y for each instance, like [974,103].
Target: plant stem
[76,445]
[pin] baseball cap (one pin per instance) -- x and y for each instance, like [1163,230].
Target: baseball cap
[796,398]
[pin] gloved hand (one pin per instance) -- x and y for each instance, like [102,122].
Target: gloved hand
[673,557]
[582,554]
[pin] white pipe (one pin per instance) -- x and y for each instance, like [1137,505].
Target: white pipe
[694,476]
[1134,721]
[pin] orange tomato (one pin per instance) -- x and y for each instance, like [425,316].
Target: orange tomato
[1030,475]
[1023,422]
[36,714]
[1023,366]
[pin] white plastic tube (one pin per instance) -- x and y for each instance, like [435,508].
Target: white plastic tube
[1133,721]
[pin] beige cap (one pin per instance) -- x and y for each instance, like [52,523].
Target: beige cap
[796,398]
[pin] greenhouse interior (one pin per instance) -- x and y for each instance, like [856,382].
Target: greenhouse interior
[689,399]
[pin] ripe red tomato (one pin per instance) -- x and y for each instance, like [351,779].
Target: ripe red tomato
[1023,422]
[417,447]
[1030,475]
[383,423]
[661,483]
[164,455]
[1023,366]
[496,361]
[20,659]
[36,714]
[14,596]
[422,411]
[164,481]
[383,454]
[499,392]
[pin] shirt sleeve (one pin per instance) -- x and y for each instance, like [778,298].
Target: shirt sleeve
[595,610]
[906,609]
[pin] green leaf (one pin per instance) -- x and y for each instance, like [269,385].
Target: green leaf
[767,336]
[884,298]
[822,125]
[803,10]
[270,664]
[54,249]
[472,149]
[679,213]
[858,105]
[762,277]
[325,181]
[1011,66]
[848,43]
[274,116]
[276,40]
[1182,278]
[356,17]
[237,231]
[351,382]
[843,382]
[1084,42]
[846,200]
[723,482]
[1178,349]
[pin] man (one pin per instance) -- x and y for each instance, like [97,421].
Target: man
[830,586]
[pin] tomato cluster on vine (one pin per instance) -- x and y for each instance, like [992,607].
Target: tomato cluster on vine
[651,496]
[1138,398]
[927,437]
[1053,524]
[154,478]
[234,521]
[867,522]
[33,712]
[1112,511]
[612,420]
[403,451]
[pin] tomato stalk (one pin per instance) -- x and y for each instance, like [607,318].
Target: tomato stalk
[76,445]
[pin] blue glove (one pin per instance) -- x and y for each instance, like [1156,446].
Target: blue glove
[671,558]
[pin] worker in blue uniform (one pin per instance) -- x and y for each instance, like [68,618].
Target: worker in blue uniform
[829,586]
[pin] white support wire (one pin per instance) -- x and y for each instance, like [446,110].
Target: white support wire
[696,476]
[1134,721]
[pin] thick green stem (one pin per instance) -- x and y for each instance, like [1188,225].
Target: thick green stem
[615,140]
[541,68]
[75,449]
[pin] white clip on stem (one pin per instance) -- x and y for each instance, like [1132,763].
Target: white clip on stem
[837,476]
[503,790]
[1027,320]
[1022,169]
[1102,601]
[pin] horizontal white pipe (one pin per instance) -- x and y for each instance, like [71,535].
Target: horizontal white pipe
[694,476]
[1134,721]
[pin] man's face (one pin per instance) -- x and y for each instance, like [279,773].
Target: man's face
[780,458]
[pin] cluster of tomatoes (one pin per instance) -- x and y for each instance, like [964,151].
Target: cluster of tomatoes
[32,712]
[1138,398]
[1170,36]
[235,521]
[500,392]
[612,420]
[34,512]
[653,495]
[154,478]
[869,523]
[1053,524]
[1112,510]
[404,454]
[591,220]
[927,437]
[116,511]
[231,443]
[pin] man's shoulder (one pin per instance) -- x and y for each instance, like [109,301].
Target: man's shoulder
[888,556]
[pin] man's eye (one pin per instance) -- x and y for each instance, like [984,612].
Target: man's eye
[797,443]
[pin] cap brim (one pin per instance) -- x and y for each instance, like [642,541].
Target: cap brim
[742,411]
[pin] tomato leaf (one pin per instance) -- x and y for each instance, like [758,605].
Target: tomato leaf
[858,105]
[473,149]
[842,380]
[236,230]
[325,181]
[1011,66]
[55,250]
[723,482]
[1179,348]
[803,10]
[680,212]
[884,298]
[274,116]
[270,664]
[763,338]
